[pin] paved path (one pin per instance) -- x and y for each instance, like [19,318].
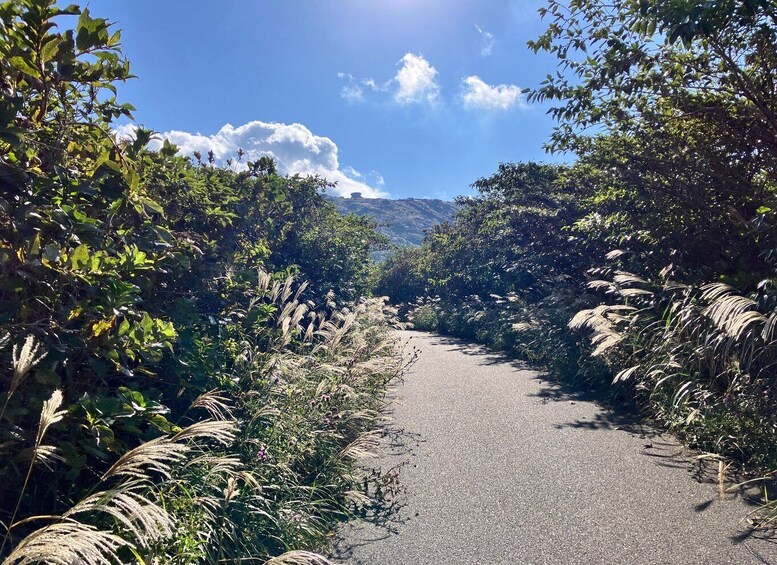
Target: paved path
[503,467]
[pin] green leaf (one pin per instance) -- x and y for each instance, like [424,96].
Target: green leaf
[50,49]
[70,10]
[82,30]
[80,256]
[22,65]
[146,323]
[151,206]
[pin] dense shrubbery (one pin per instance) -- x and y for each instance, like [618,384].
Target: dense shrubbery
[508,272]
[163,396]
[658,242]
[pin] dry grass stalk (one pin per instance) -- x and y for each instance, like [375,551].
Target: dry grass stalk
[146,521]
[68,543]
[157,455]
[299,558]
[221,431]
[362,447]
[219,407]
[49,415]
[24,360]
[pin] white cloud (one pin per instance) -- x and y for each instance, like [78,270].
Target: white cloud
[372,85]
[371,178]
[478,94]
[295,148]
[417,81]
[352,93]
[125,131]
[379,180]
[486,41]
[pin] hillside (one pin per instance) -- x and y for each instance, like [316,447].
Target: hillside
[403,221]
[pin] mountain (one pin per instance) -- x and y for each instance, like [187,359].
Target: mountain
[403,221]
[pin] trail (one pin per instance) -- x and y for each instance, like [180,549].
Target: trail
[503,467]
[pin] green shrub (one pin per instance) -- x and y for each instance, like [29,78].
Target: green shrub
[167,392]
[425,317]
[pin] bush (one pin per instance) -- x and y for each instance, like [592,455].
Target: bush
[168,394]
[659,239]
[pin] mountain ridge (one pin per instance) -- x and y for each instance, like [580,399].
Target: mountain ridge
[403,220]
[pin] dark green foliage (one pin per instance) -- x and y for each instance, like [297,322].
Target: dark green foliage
[508,271]
[133,281]
[683,180]
[402,276]
[661,235]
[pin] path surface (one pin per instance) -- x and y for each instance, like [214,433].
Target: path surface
[503,468]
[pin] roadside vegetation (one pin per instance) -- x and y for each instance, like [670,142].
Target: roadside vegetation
[647,265]
[189,372]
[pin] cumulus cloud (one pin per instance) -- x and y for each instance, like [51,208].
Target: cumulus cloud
[486,41]
[477,94]
[294,147]
[416,80]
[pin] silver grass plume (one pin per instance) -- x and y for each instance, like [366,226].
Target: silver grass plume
[732,313]
[602,321]
[221,431]
[25,359]
[68,543]
[146,521]
[219,407]
[299,558]
[363,446]
[49,415]
[157,455]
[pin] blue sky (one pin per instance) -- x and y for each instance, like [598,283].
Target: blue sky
[399,97]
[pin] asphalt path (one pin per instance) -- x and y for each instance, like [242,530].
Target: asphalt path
[500,465]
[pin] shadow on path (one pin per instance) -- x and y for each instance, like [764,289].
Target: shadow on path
[393,515]
[384,516]
[614,416]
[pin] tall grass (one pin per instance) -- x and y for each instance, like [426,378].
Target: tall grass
[702,357]
[258,470]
